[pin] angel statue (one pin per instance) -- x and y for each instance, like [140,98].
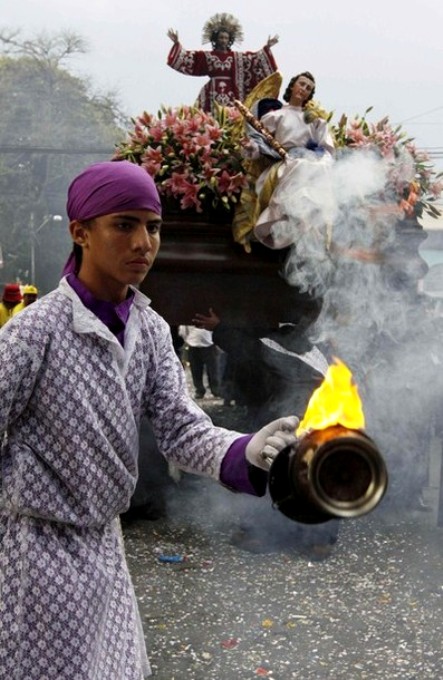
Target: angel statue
[232,75]
[289,199]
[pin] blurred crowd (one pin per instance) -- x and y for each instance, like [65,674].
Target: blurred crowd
[15,298]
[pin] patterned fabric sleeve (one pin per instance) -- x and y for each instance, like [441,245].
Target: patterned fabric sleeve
[189,62]
[261,64]
[185,434]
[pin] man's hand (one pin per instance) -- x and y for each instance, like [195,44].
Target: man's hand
[270,440]
[208,322]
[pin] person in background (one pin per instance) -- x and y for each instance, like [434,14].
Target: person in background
[10,299]
[232,74]
[265,377]
[30,294]
[202,355]
[78,371]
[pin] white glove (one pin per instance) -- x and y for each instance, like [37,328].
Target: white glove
[270,440]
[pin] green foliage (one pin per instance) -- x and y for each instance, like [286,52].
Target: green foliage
[51,126]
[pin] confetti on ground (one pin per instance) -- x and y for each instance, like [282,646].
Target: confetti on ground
[372,611]
[230,643]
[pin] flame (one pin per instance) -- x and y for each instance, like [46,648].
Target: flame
[335,402]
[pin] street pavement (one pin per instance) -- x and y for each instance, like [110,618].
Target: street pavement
[373,610]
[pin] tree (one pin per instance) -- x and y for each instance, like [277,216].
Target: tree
[52,124]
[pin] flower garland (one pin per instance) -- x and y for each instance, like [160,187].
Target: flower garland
[192,155]
[413,181]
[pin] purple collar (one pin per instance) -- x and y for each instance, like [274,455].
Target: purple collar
[114,316]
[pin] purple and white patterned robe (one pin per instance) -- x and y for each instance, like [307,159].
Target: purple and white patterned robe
[70,405]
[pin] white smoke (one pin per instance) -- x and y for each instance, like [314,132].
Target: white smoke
[365,267]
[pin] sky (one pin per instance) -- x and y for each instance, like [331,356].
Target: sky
[362,54]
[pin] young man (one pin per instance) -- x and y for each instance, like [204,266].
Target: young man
[77,372]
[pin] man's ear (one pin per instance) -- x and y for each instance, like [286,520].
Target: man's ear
[78,232]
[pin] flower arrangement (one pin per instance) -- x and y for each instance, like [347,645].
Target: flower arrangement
[415,188]
[192,155]
[196,160]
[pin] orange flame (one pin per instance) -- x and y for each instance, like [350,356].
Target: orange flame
[335,402]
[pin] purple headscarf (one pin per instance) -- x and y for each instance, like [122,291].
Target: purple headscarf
[106,188]
[110,187]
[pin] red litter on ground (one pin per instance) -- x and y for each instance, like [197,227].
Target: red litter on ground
[230,643]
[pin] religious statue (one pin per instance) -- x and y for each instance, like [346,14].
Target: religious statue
[232,75]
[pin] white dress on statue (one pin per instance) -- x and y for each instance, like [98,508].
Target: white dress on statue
[301,205]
